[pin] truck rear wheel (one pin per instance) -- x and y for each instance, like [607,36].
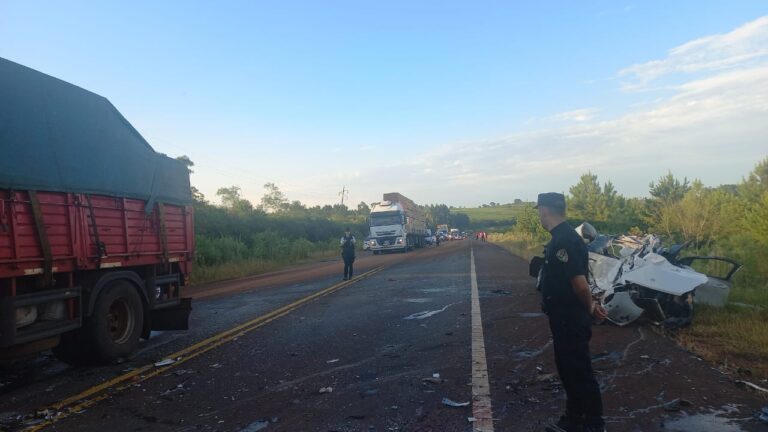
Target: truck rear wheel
[116,323]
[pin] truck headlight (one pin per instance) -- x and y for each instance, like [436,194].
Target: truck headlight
[400,240]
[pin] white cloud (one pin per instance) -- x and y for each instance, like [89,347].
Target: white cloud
[712,126]
[579,115]
[747,43]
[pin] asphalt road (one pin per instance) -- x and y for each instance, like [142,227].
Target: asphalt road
[380,353]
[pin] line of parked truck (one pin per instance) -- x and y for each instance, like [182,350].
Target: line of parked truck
[398,224]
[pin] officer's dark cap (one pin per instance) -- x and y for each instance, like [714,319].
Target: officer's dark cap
[551,199]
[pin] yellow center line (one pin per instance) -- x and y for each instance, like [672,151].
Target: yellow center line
[97,393]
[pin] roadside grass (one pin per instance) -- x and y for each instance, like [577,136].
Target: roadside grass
[248,267]
[501,217]
[734,337]
[519,244]
[501,212]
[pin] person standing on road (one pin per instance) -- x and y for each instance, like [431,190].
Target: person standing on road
[567,301]
[348,252]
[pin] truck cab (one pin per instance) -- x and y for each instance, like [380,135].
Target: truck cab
[388,227]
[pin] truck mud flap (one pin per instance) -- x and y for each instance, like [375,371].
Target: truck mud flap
[174,317]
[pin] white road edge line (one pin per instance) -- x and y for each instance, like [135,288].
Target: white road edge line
[481,392]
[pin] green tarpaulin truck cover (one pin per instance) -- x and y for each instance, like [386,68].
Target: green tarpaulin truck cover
[55,136]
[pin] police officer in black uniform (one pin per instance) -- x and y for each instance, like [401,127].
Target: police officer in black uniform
[348,253]
[567,301]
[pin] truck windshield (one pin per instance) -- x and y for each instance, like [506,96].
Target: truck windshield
[386,218]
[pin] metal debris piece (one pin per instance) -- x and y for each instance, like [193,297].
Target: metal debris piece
[256,426]
[426,314]
[764,414]
[545,377]
[677,404]
[454,404]
[326,390]
[621,309]
[165,362]
[741,383]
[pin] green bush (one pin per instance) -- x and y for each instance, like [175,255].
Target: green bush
[218,250]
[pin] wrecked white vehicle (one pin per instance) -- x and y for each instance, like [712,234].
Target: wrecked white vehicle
[635,276]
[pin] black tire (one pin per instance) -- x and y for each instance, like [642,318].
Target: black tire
[115,326]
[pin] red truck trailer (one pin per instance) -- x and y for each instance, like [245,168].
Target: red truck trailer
[96,228]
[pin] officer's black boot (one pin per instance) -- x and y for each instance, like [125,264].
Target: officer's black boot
[567,422]
[564,423]
[587,428]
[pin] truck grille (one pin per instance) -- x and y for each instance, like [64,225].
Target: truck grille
[382,241]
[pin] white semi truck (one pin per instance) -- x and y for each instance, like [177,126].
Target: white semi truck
[397,223]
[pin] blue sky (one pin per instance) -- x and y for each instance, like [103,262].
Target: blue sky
[454,102]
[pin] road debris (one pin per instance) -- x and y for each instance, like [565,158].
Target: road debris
[545,377]
[454,404]
[677,404]
[165,362]
[326,390]
[417,300]
[256,426]
[764,415]
[744,384]
[332,361]
[432,380]
[426,314]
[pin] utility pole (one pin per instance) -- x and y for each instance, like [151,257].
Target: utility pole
[343,194]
